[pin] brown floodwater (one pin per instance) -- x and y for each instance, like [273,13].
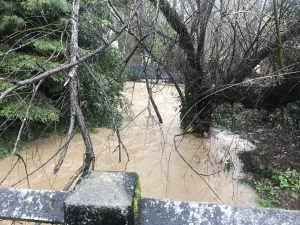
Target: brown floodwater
[168,168]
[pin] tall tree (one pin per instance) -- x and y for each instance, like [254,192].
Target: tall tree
[35,38]
[221,44]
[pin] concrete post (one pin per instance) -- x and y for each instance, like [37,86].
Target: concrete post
[103,198]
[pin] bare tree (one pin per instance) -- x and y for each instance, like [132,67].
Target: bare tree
[219,44]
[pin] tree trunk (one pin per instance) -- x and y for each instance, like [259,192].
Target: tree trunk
[75,108]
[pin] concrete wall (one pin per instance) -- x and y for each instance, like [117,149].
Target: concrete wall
[114,198]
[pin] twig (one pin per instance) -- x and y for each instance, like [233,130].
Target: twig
[112,113]
[199,174]
[35,88]
[73,178]
[47,161]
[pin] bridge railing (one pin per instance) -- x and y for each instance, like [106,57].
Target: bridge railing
[114,198]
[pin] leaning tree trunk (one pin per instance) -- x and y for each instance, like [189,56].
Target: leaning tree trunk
[193,111]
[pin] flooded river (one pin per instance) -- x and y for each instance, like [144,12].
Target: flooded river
[168,168]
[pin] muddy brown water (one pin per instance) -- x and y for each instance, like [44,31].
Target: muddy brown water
[151,147]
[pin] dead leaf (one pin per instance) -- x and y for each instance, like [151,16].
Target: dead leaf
[279,127]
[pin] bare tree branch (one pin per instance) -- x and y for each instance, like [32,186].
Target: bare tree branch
[240,71]
[68,139]
[35,88]
[185,40]
[205,12]
[112,113]
[41,166]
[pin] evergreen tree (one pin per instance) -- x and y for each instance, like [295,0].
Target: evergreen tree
[34,38]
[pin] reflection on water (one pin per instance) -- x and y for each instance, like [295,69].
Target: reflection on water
[169,167]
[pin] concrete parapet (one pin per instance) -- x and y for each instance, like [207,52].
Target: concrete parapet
[102,198]
[114,198]
[32,205]
[170,212]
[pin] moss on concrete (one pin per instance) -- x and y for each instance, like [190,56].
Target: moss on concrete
[136,200]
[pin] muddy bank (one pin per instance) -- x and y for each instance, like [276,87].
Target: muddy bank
[277,150]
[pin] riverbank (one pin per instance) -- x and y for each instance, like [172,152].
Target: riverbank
[273,168]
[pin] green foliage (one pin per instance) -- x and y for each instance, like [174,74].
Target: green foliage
[47,45]
[229,164]
[4,85]
[228,132]
[35,38]
[22,64]
[51,7]
[41,110]
[265,203]
[278,184]
[294,195]
[287,179]
[233,116]
[290,114]
[108,74]
[272,195]
[12,23]
[260,168]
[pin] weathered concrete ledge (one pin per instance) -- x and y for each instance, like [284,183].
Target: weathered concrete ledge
[32,205]
[102,198]
[170,212]
[113,198]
